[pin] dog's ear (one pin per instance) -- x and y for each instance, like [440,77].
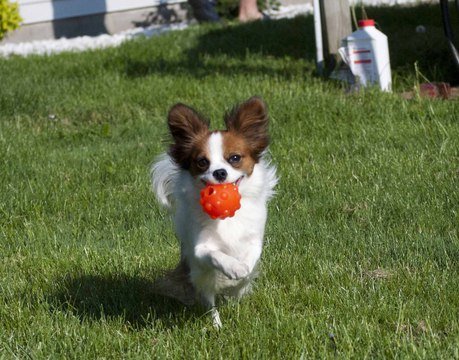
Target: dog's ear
[250,120]
[186,127]
[184,122]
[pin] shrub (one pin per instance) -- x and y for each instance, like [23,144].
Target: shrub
[9,17]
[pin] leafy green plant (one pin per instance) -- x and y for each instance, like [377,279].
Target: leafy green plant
[9,17]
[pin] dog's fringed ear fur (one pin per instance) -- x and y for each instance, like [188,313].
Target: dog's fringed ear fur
[250,120]
[186,127]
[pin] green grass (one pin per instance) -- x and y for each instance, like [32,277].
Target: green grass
[362,249]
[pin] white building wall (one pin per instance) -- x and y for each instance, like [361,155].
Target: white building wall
[35,11]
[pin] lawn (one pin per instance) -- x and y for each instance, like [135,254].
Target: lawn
[361,257]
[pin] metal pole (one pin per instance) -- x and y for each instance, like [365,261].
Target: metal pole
[318,36]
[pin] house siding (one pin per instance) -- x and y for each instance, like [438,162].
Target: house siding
[36,11]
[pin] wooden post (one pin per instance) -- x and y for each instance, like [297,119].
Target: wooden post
[336,25]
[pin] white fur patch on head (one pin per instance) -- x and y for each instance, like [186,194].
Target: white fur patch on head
[216,153]
[215,150]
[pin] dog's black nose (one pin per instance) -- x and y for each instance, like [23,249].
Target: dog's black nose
[220,175]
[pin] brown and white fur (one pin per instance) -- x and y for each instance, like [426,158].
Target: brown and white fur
[217,256]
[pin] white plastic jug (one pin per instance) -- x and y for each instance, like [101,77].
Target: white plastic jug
[366,52]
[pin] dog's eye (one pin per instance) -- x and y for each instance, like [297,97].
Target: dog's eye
[234,159]
[202,163]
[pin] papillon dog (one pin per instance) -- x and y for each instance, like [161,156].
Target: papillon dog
[217,256]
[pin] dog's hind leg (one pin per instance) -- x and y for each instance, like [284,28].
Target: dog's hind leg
[176,284]
[208,300]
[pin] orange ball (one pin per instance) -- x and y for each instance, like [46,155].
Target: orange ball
[220,201]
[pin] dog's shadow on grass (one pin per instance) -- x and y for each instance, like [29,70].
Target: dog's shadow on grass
[129,298]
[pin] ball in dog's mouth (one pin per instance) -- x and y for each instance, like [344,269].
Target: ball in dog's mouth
[221,201]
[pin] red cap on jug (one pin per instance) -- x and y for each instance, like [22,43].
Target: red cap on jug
[366,22]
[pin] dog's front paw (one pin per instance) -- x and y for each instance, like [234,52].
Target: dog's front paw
[237,270]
